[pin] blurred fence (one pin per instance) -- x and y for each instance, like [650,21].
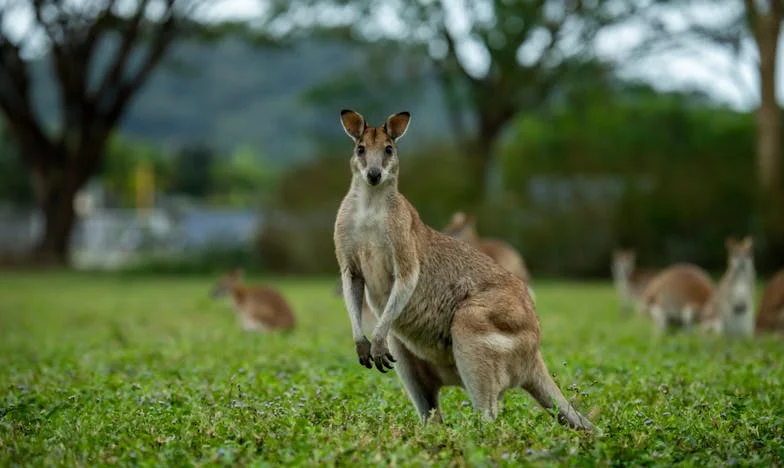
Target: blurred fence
[19,227]
[119,238]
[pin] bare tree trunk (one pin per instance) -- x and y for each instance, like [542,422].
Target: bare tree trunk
[55,193]
[768,119]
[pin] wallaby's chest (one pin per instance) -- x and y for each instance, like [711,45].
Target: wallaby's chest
[373,248]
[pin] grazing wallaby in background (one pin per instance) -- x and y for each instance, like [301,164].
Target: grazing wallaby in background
[447,314]
[629,280]
[731,309]
[675,297]
[463,227]
[771,312]
[259,308]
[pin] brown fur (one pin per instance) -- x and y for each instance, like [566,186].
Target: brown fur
[676,296]
[730,310]
[630,280]
[447,314]
[463,227]
[771,311]
[259,308]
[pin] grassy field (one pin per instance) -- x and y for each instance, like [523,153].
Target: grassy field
[104,369]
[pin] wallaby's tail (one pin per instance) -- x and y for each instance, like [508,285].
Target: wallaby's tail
[542,387]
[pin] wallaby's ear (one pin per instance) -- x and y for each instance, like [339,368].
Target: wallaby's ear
[748,243]
[397,124]
[458,218]
[353,123]
[236,273]
[470,219]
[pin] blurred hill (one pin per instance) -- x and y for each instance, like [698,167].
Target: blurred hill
[232,94]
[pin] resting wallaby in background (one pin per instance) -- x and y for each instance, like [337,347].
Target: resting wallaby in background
[447,314]
[771,312]
[259,308]
[463,227]
[731,308]
[675,297]
[629,280]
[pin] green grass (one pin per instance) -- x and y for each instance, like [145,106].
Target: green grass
[102,369]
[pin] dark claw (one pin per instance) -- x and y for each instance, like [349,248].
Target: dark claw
[380,366]
[389,356]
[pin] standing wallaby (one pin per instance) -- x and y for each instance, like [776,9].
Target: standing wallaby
[675,297]
[447,314]
[771,312]
[259,308]
[463,227]
[630,281]
[731,309]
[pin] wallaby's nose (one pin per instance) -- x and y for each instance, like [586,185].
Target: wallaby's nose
[374,176]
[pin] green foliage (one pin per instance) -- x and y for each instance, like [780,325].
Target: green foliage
[193,170]
[123,157]
[149,371]
[243,179]
[14,178]
[663,173]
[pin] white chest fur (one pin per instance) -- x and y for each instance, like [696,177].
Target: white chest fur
[373,248]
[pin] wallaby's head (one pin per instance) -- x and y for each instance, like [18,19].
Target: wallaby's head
[225,283]
[375,148]
[462,226]
[740,254]
[623,261]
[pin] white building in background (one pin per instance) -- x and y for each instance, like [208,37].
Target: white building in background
[111,238]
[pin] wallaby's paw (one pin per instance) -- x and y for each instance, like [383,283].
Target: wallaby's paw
[381,355]
[363,351]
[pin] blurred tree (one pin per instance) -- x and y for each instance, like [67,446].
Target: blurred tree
[493,58]
[243,179]
[192,170]
[764,20]
[93,96]
[751,28]
[123,157]
[14,185]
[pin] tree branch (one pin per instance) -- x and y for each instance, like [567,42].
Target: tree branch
[129,38]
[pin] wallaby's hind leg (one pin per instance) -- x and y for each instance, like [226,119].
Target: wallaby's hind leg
[660,320]
[480,359]
[544,390]
[480,383]
[420,380]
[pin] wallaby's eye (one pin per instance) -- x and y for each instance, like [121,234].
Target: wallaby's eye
[360,150]
[389,150]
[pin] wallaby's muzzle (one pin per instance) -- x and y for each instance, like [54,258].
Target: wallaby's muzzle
[374,176]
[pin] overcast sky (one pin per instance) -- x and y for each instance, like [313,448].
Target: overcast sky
[706,68]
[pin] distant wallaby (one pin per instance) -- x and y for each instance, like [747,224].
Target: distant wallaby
[731,308]
[259,308]
[675,297]
[463,227]
[630,281]
[448,314]
[771,312]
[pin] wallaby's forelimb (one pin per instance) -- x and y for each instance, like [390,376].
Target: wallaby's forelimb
[406,277]
[353,292]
